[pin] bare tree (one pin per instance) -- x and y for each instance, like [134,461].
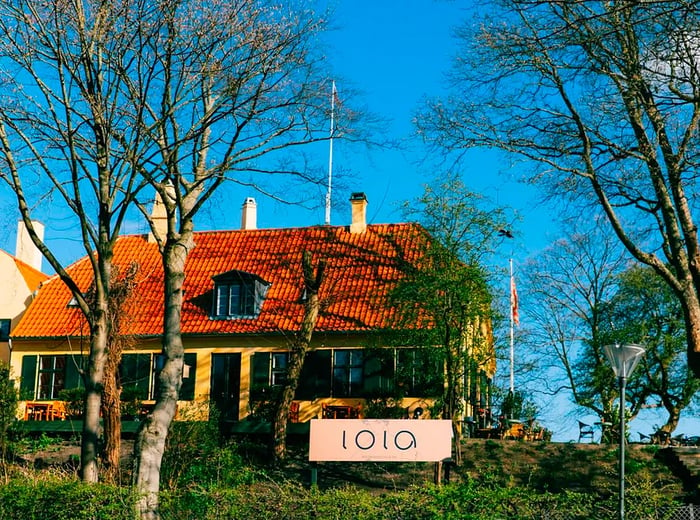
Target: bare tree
[602,100]
[222,99]
[121,290]
[571,282]
[182,95]
[59,111]
[313,278]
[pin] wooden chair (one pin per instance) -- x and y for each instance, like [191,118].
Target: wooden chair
[584,430]
[356,412]
[515,431]
[57,412]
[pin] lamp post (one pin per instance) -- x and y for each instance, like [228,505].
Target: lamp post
[624,359]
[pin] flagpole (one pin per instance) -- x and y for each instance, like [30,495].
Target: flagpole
[330,157]
[512,329]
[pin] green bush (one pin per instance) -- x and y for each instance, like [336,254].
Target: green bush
[8,409]
[65,500]
[75,401]
[196,457]
[68,499]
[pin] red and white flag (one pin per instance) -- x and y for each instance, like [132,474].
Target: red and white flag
[515,315]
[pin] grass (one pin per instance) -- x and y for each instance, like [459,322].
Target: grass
[236,481]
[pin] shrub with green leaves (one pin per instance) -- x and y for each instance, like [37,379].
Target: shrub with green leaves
[8,410]
[197,457]
[56,499]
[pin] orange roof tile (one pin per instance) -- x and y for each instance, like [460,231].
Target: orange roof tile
[360,270]
[32,277]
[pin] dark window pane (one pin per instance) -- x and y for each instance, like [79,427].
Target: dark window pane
[260,374]
[189,377]
[222,296]
[278,375]
[235,302]
[315,380]
[135,376]
[5,329]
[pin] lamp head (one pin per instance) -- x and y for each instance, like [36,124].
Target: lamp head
[623,358]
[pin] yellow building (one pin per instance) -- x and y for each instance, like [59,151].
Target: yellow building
[20,278]
[243,301]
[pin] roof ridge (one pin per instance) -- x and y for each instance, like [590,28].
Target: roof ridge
[282,229]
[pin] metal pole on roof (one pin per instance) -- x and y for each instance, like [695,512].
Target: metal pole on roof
[334,94]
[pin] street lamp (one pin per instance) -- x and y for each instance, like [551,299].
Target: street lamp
[624,359]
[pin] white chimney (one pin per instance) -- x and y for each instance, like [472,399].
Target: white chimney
[358,202]
[159,214]
[249,217]
[25,249]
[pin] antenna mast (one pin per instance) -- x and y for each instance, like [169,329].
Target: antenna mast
[334,93]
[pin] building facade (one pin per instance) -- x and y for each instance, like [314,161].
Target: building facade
[243,302]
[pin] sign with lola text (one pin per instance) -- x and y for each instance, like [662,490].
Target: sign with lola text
[380,440]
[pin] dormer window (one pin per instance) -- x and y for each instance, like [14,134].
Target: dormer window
[238,294]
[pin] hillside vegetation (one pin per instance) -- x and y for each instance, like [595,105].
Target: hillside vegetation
[208,479]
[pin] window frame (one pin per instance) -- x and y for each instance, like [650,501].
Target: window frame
[144,384]
[344,376]
[275,365]
[237,295]
[49,390]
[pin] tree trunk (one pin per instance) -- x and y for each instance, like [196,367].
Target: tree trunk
[93,397]
[150,441]
[302,340]
[111,417]
[691,309]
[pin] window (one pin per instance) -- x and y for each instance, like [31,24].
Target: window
[238,295]
[348,373]
[52,376]
[419,372]
[135,376]
[269,373]
[315,380]
[43,377]
[5,324]
[138,375]
[368,373]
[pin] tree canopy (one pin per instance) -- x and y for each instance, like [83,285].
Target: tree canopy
[602,102]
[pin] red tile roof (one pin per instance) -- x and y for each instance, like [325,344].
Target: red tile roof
[32,277]
[360,270]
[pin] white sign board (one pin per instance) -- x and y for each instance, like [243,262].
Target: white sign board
[386,440]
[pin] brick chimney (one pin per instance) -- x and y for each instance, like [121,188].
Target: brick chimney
[159,215]
[249,216]
[25,249]
[358,202]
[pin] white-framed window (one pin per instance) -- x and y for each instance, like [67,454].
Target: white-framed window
[238,295]
[52,376]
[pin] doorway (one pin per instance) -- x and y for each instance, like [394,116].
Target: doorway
[226,384]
